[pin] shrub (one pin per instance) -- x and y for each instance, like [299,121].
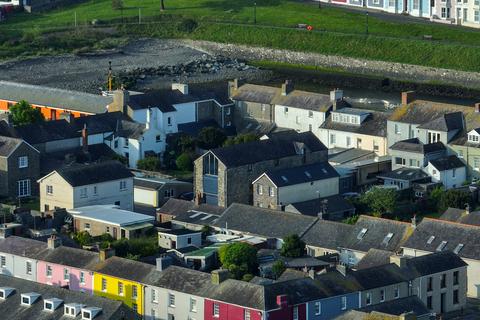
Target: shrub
[184,162]
[83,238]
[187,25]
[239,258]
[149,164]
[278,268]
[293,246]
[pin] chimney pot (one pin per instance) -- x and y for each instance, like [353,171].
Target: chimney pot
[408,97]
[163,263]
[414,221]
[54,242]
[477,107]
[400,261]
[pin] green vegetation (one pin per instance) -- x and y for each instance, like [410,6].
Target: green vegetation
[278,268]
[380,201]
[336,31]
[23,113]
[239,258]
[293,246]
[241,138]
[149,164]
[211,137]
[184,161]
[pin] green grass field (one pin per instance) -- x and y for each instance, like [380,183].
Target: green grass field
[229,21]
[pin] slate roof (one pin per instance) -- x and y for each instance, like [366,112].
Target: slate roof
[407,174]
[127,269]
[380,276]
[154,183]
[302,174]
[23,247]
[349,155]
[263,222]
[461,216]
[178,232]
[85,174]
[446,122]
[377,230]
[433,263]
[11,308]
[72,257]
[8,145]
[447,163]
[46,131]
[276,147]
[164,100]
[307,100]
[374,125]
[176,206]
[399,306]
[53,97]
[374,258]
[184,280]
[451,232]
[327,234]
[416,146]
[255,93]
[335,204]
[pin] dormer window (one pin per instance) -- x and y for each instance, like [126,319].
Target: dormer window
[90,313]
[27,299]
[361,234]
[52,304]
[5,292]
[72,309]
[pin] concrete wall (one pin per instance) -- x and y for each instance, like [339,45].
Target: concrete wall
[397,131]
[470,156]
[359,141]
[160,309]
[186,112]
[16,267]
[298,119]
[253,110]
[64,196]
[166,240]
[389,292]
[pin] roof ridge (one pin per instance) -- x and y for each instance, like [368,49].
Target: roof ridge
[381,218]
[452,222]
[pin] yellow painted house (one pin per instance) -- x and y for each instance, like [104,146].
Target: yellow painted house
[122,279]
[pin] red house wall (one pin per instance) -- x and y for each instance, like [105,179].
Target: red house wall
[287,313]
[228,312]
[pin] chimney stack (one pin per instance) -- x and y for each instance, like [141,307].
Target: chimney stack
[233,86]
[121,98]
[342,269]
[147,123]
[467,208]
[408,97]
[54,242]
[414,221]
[477,107]
[287,87]
[85,138]
[67,116]
[400,261]
[104,254]
[163,263]
[219,275]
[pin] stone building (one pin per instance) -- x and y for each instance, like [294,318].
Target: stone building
[224,175]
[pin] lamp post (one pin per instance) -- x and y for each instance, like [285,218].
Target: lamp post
[366,23]
[254,13]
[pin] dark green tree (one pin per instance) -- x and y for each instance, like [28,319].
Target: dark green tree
[455,199]
[293,246]
[184,162]
[278,268]
[241,138]
[211,137]
[23,113]
[83,238]
[239,258]
[149,164]
[380,201]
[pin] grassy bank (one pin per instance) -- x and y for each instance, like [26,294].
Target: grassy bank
[337,32]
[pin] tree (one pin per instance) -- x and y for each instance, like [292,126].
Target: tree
[184,162]
[278,268]
[455,199]
[241,138]
[83,238]
[380,200]
[293,246]
[206,231]
[239,258]
[23,113]
[149,164]
[211,137]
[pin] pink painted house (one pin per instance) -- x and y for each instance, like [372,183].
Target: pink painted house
[67,267]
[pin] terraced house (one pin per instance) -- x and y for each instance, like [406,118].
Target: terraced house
[224,175]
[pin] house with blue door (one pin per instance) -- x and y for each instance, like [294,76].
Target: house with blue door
[224,175]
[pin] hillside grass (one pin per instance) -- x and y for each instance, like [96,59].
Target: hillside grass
[336,31]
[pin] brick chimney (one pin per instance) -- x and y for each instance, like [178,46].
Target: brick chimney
[287,87]
[85,138]
[54,242]
[408,97]
[163,263]
[414,221]
[282,301]
[104,254]
[232,86]
[219,275]
[400,261]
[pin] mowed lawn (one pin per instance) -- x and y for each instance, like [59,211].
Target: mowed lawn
[232,21]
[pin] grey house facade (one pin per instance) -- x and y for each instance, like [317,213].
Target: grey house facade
[19,168]
[223,176]
[415,154]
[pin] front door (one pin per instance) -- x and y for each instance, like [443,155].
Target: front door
[459,15]
[405,9]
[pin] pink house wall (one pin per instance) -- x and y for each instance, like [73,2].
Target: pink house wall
[228,312]
[57,277]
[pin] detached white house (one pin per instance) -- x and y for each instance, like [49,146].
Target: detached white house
[450,171]
[103,183]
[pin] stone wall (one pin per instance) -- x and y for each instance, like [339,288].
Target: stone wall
[392,70]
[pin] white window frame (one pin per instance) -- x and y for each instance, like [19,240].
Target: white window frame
[344,303]
[193,305]
[66,274]
[23,162]
[28,267]
[123,185]
[23,188]
[171,300]
[216,310]
[49,189]
[49,271]
[318,308]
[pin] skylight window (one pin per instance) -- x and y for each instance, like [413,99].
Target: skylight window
[441,246]
[308,174]
[458,248]
[362,234]
[284,179]
[387,238]
[430,240]
[324,170]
